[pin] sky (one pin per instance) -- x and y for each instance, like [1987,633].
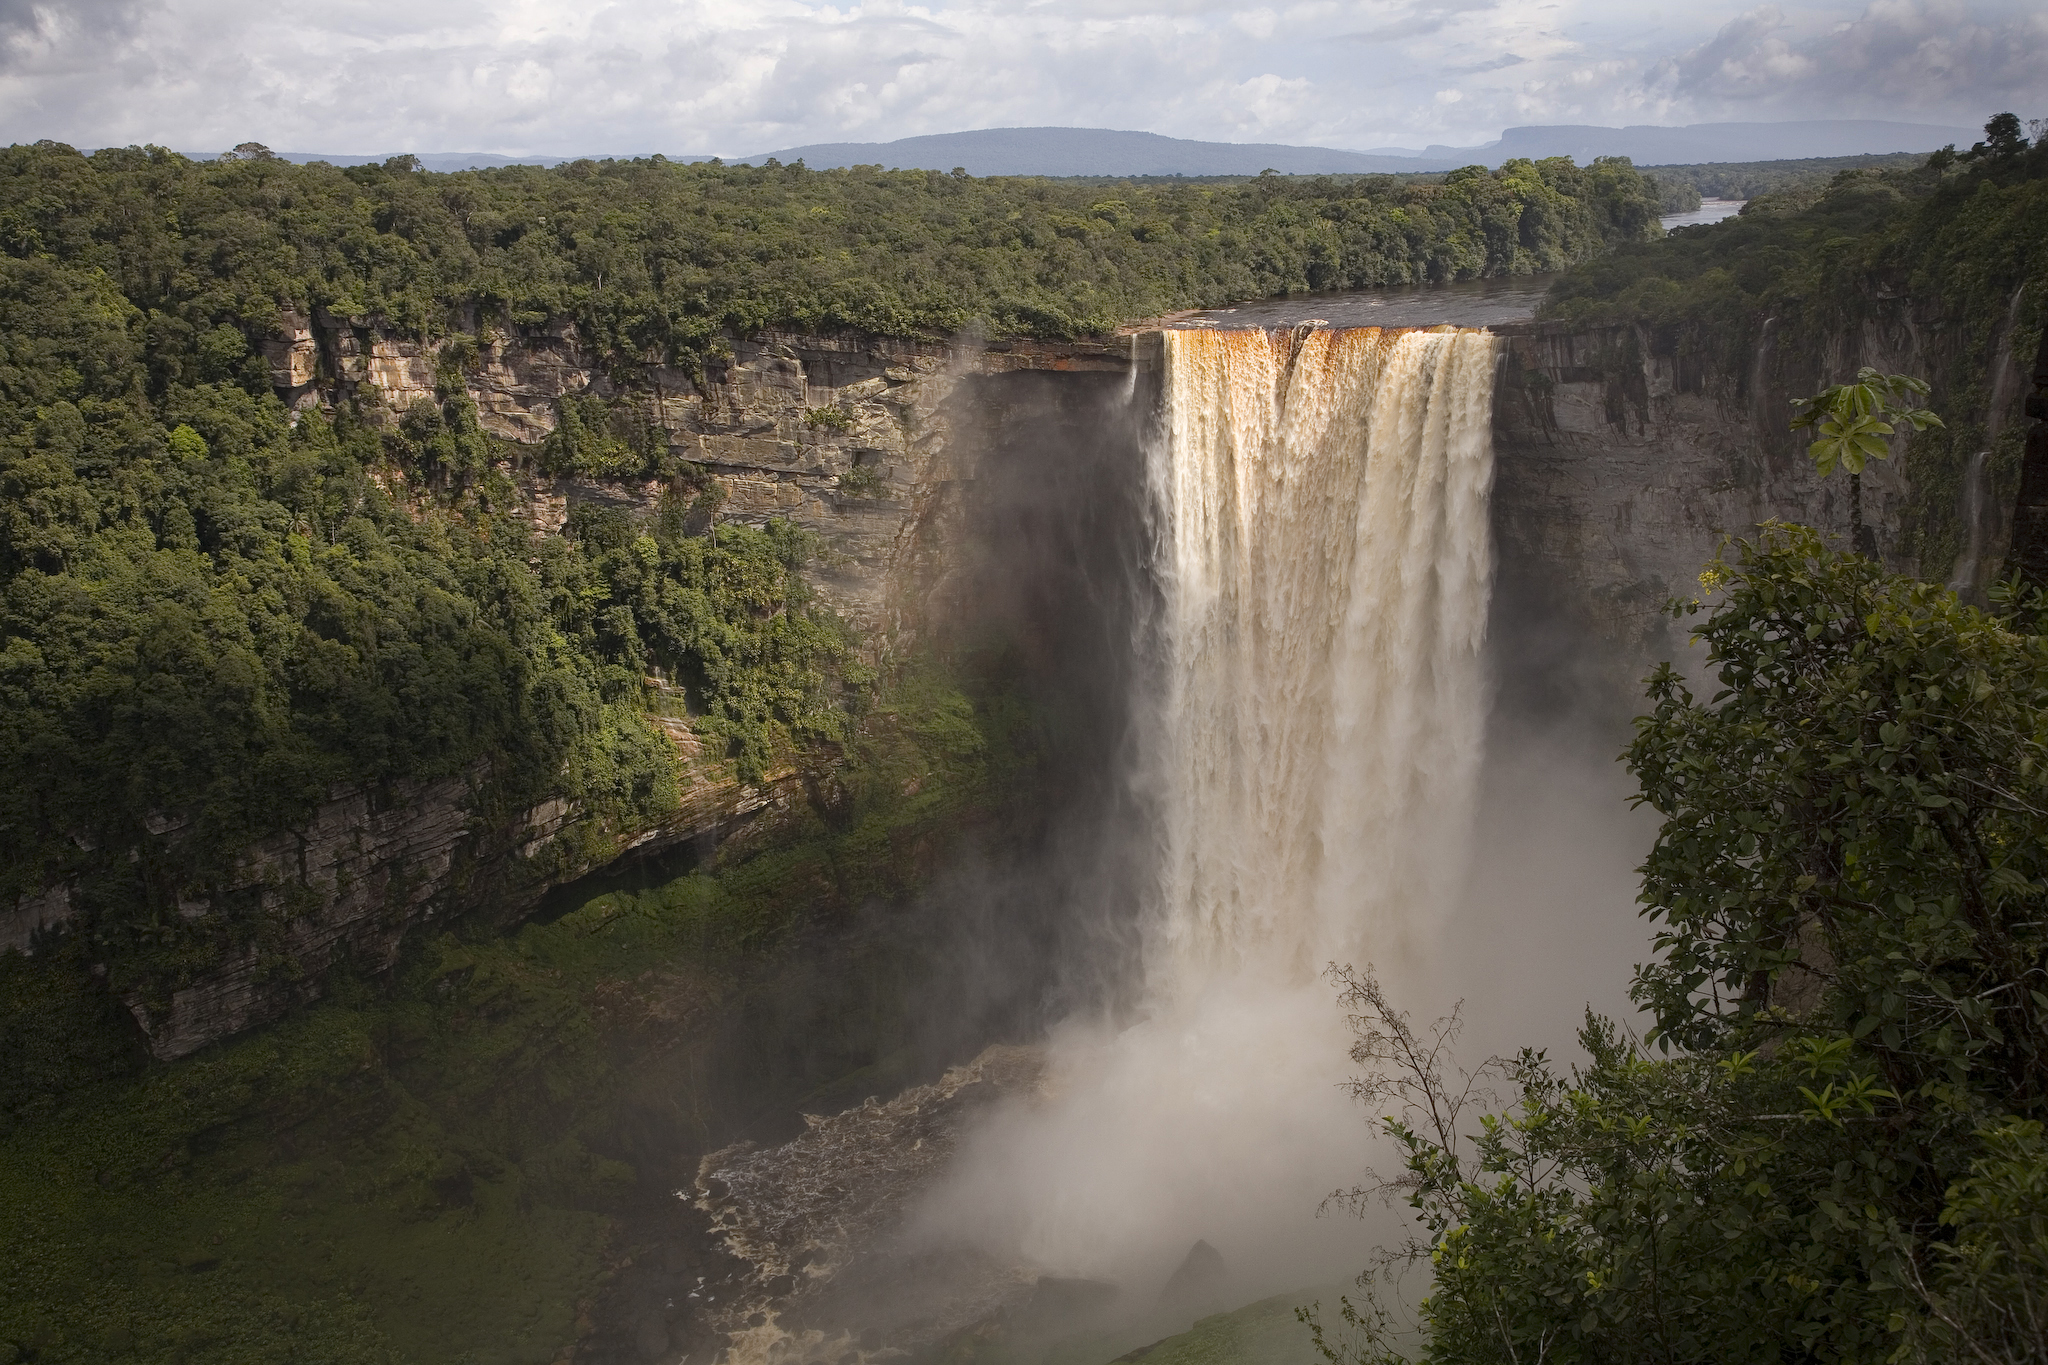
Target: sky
[734,77]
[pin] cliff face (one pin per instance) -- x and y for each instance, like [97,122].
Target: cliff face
[1622,465]
[372,864]
[995,482]
[748,421]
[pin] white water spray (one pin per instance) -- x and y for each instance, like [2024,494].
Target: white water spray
[1324,556]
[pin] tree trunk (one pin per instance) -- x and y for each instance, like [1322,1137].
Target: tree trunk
[1861,538]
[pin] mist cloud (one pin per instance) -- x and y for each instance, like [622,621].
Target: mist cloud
[721,76]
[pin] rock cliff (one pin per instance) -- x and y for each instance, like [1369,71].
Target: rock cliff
[374,863]
[1623,463]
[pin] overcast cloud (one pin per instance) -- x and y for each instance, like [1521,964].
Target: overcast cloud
[742,76]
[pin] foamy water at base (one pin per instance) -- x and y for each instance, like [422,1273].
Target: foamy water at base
[1324,562]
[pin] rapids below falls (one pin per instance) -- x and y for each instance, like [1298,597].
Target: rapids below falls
[1310,750]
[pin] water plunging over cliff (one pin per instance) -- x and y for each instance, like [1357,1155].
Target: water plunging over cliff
[1325,562]
[1322,558]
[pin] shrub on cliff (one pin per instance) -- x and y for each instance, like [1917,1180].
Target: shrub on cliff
[213,616]
[1838,1153]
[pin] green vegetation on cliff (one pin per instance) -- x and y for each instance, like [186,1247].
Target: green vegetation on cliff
[1834,1150]
[214,617]
[1949,255]
[431,1166]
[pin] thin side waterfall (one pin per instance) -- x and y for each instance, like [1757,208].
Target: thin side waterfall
[1320,505]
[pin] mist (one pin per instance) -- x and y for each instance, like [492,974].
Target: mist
[1314,619]
[1291,726]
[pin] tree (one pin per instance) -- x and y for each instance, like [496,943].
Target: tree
[1850,426]
[1830,1145]
[2003,138]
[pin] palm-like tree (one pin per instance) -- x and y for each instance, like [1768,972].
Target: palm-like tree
[1851,423]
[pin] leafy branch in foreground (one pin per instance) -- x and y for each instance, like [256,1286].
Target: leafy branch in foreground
[1834,1149]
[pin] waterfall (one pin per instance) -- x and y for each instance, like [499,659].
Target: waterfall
[1976,507]
[1322,549]
[1325,560]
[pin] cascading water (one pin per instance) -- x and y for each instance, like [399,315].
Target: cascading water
[1323,563]
[1326,563]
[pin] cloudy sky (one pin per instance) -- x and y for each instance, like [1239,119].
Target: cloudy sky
[742,76]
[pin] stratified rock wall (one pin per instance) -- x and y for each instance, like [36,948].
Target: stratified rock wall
[1622,466]
[372,864]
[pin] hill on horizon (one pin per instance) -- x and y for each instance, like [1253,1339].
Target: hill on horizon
[1095,151]
[1113,152]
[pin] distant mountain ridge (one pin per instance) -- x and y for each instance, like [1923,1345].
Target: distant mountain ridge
[1102,151]
[1096,151]
[1112,152]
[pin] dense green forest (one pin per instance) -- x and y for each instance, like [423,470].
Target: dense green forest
[1963,232]
[651,256]
[1749,179]
[214,613]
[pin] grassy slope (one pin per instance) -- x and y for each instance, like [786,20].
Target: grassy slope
[1262,1333]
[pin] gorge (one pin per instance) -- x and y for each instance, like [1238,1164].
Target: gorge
[1304,773]
[1620,474]
[918,786]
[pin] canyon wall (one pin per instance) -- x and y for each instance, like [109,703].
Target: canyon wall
[1624,463]
[374,863]
[962,483]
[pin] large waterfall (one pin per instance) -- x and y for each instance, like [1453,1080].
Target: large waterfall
[1320,504]
[1311,749]
[1325,560]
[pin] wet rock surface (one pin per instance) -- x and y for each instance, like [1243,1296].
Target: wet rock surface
[818,1224]
[1624,461]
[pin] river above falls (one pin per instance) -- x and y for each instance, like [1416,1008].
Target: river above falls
[1466,303]
[1709,211]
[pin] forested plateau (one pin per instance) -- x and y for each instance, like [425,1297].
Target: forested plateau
[243,588]
[231,589]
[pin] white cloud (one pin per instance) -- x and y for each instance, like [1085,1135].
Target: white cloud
[742,76]
[1898,58]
